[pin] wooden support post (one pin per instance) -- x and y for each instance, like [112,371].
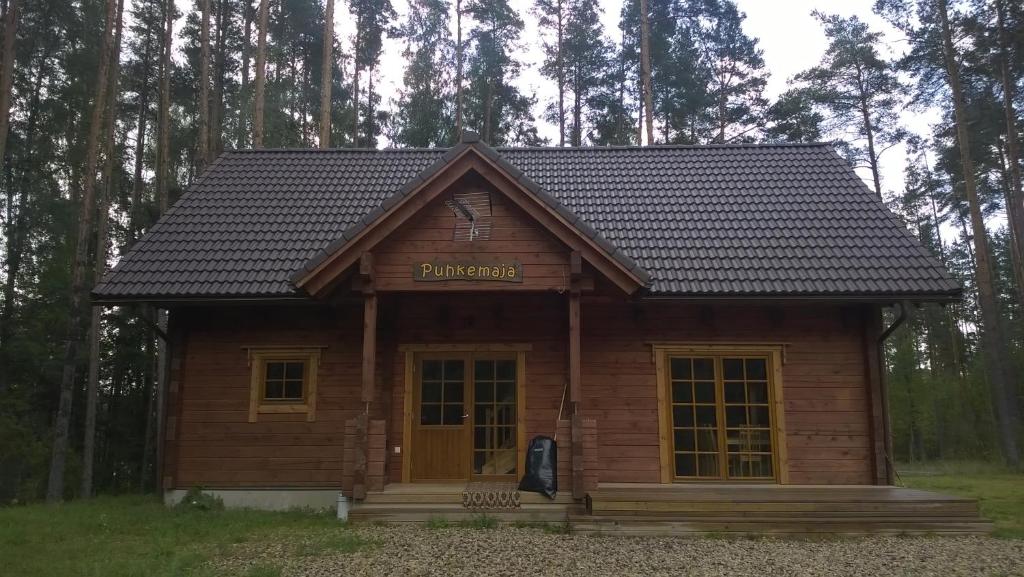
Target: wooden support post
[575,375]
[362,440]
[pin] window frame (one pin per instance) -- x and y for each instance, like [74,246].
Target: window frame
[258,360]
[775,356]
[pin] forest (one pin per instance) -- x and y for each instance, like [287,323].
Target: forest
[109,109]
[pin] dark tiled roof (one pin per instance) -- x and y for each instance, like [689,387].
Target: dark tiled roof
[745,220]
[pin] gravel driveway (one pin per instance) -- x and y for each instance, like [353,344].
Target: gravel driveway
[402,550]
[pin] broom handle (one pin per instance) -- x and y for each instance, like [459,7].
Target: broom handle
[560,406]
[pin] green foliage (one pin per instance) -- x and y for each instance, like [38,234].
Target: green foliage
[438,523]
[128,536]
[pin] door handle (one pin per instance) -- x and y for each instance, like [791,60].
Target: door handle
[466,416]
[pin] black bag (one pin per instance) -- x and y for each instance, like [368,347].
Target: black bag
[541,467]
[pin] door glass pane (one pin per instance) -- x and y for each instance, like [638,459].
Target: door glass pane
[694,417]
[442,389]
[494,414]
[748,419]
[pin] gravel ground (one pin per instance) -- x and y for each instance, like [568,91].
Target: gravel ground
[421,551]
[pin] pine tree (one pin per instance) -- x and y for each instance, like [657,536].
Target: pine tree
[423,117]
[203,154]
[495,107]
[859,90]
[325,77]
[261,76]
[553,18]
[371,18]
[62,424]
[588,56]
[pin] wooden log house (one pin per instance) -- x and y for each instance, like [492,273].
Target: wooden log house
[700,327]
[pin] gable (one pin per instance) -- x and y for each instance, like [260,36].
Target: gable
[468,165]
[414,256]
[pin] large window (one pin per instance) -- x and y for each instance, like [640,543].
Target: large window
[719,416]
[283,381]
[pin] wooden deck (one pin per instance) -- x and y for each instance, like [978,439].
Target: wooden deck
[654,509]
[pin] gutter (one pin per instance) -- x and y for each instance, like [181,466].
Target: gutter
[901,318]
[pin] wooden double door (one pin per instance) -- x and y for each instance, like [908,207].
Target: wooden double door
[466,416]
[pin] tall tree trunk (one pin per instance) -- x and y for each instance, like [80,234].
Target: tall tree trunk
[577,110]
[203,156]
[325,77]
[261,76]
[62,424]
[356,60]
[560,64]
[217,110]
[645,71]
[163,170]
[138,182]
[7,74]
[243,97]
[100,264]
[1015,196]
[998,363]
[458,70]
[869,131]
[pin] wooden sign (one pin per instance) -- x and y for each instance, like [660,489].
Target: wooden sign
[437,271]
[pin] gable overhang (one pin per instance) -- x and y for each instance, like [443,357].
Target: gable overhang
[323,272]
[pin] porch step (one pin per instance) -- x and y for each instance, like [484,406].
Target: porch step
[423,512]
[681,509]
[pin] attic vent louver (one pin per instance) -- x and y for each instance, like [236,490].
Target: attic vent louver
[472,215]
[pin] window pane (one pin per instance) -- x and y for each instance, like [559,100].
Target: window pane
[707,440]
[275,370]
[757,392]
[432,370]
[682,392]
[453,414]
[483,370]
[682,416]
[431,392]
[757,369]
[732,369]
[293,390]
[505,370]
[506,415]
[686,465]
[505,462]
[430,414]
[707,465]
[704,369]
[506,437]
[479,458]
[274,389]
[293,370]
[734,393]
[704,392]
[484,392]
[484,414]
[735,416]
[684,440]
[681,369]
[759,416]
[506,391]
[453,370]
[706,417]
[453,392]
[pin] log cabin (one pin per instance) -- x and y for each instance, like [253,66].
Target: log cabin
[699,328]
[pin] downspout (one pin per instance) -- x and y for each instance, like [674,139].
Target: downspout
[901,317]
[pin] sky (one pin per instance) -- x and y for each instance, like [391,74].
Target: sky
[791,39]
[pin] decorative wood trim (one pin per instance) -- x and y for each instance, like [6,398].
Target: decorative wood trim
[718,348]
[575,364]
[369,370]
[664,424]
[465,347]
[257,358]
[779,419]
[410,367]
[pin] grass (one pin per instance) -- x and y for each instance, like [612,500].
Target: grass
[999,492]
[481,521]
[138,536]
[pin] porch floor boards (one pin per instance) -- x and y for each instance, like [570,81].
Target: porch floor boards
[787,509]
[681,509]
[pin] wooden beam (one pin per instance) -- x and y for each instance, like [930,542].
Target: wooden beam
[876,399]
[575,388]
[369,345]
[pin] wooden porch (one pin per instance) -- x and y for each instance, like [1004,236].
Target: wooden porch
[682,509]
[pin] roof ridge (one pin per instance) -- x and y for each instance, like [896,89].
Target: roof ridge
[614,147]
